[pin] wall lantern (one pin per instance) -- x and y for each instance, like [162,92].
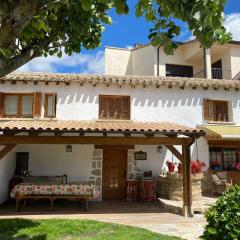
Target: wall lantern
[69,148]
[160,148]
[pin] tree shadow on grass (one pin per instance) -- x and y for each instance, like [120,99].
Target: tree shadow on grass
[9,229]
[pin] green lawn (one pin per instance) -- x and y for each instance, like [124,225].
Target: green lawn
[59,229]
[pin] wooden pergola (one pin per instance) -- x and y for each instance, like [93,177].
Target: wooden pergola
[13,135]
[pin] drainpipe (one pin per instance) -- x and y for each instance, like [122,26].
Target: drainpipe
[205,62]
[158,50]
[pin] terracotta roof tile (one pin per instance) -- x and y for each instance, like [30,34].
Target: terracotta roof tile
[95,126]
[122,80]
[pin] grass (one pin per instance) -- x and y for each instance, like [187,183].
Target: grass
[62,229]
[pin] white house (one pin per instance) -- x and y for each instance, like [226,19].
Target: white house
[90,126]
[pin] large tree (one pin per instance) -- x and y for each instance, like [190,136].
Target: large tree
[30,29]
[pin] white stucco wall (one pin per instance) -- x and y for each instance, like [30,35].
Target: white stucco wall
[143,60]
[235,60]
[118,61]
[77,102]
[156,161]
[7,168]
[53,160]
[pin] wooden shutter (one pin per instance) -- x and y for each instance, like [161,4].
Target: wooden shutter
[114,107]
[206,110]
[222,111]
[125,111]
[102,107]
[1,104]
[37,104]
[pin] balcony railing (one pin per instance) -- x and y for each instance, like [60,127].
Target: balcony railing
[217,73]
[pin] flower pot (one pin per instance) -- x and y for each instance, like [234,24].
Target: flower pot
[171,168]
[193,170]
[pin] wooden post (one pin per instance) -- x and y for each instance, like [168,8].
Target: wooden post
[187,183]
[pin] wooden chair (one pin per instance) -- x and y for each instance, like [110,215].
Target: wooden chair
[132,191]
[220,185]
[147,191]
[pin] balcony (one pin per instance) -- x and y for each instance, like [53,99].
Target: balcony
[218,73]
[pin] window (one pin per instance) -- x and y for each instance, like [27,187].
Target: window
[179,71]
[18,105]
[215,110]
[223,158]
[114,107]
[50,105]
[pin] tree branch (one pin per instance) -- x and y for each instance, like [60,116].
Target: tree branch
[18,18]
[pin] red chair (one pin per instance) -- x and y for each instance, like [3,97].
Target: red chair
[147,191]
[132,191]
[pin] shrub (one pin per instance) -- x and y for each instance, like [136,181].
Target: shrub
[223,219]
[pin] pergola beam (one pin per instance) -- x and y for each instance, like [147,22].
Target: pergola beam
[175,152]
[107,140]
[6,150]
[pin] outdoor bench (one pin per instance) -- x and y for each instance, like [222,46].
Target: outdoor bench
[51,197]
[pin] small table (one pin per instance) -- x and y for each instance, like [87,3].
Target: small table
[141,190]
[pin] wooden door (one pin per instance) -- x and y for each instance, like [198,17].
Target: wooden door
[114,173]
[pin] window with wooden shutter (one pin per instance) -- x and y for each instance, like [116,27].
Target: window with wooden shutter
[37,104]
[19,105]
[114,107]
[215,110]
[50,105]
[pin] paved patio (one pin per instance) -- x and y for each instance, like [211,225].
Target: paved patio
[152,217]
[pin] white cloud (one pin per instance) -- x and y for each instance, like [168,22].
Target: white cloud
[129,47]
[232,24]
[81,63]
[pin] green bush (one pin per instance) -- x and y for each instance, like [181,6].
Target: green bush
[223,219]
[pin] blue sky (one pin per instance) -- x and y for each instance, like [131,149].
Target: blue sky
[125,31]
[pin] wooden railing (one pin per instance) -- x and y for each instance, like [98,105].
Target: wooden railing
[234,176]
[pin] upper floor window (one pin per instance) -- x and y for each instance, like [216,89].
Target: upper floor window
[173,70]
[216,110]
[114,107]
[50,105]
[17,105]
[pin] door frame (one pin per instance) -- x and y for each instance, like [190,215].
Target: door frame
[124,147]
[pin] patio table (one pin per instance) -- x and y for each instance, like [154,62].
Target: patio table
[53,191]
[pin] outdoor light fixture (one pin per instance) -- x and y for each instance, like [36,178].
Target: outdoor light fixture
[69,148]
[160,148]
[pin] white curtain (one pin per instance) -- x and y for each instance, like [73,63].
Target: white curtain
[50,106]
[10,105]
[27,106]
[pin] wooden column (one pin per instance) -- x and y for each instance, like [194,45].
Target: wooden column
[187,183]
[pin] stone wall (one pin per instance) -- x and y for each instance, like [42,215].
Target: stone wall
[171,186]
[96,173]
[134,171]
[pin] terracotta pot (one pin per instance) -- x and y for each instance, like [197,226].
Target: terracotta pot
[193,170]
[171,168]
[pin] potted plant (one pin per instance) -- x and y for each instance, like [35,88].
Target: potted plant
[170,166]
[179,167]
[216,166]
[196,166]
[236,166]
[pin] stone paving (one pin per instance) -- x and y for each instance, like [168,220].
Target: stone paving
[151,217]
